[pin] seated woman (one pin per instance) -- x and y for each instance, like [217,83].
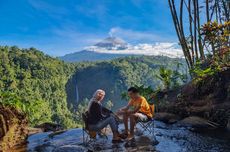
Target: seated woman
[100,117]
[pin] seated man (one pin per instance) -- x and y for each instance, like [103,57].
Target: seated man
[137,108]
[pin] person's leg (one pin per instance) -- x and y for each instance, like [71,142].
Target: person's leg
[108,121]
[125,120]
[133,119]
[114,127]
[132,125]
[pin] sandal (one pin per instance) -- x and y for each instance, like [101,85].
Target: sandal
[123,135]
[130,137]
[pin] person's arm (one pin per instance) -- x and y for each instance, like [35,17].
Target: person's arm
[135,110]
[127,107]
[97,111]
[105,110]
[124,109]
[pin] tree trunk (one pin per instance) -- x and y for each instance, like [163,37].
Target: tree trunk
[226,8]
[201,48]
[195,29]
[207,10]
[182,34]
[177,28]
[190,30]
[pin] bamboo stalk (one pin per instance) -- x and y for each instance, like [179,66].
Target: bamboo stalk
[226,10]
[207,10]
[174,16]
[182,33]
[195,27]
[201,48]
[190,29]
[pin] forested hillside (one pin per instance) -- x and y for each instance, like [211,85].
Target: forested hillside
[117,75]
[43,86]
[35,83]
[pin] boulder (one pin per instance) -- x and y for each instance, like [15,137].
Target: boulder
[207,97]
[167,117]
[32,131]
[70,148]
[198,123]
[189,91]
[13,128]
[228,125]
[49,127]
[200,110]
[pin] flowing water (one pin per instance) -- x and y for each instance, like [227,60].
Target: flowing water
[171,138]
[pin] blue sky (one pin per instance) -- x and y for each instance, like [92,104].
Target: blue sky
[58,27]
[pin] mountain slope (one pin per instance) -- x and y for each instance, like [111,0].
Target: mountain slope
[90,56]
[116,76]
[113,47]
[112,42]
[47,88]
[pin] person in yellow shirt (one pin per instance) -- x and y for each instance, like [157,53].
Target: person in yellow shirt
[137,108]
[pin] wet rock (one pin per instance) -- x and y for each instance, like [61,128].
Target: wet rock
[188,91]
[197,123]
[70,148]
[174,138]
[13,128]
[131,143]
[198,102]
[200,110]
[32,131]
[49,127]
[228,125]
[138,132]
[43,148]
[167,117]
[56,133]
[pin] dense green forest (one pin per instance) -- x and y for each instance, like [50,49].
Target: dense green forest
[37,84]
[43,86]
[117,75]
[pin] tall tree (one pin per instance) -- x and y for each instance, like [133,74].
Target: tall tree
[192,40]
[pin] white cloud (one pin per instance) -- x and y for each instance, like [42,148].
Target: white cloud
[165,49]
[136,36]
